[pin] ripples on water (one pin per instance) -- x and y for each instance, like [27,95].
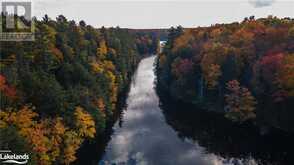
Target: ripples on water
[145,138]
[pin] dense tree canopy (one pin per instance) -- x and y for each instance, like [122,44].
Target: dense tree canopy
[63,88]
[244,69]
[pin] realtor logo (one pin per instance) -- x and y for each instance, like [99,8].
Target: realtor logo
[7,156]
[16,21]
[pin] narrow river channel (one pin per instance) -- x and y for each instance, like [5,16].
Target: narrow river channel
[144,137]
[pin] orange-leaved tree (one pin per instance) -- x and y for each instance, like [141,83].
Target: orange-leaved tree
[240,102]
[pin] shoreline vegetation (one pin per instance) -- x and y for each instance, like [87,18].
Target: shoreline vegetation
[63,89]
[221,136]
[243,70]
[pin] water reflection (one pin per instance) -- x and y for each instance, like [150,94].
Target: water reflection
[227,139]
[144,137]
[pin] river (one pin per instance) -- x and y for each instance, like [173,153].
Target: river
[144,137]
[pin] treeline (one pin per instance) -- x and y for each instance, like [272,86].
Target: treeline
[161,34]
[245,70]
[62,88]
[148,39]
[146,43]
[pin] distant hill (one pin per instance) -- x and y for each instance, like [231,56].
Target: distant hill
[160,33]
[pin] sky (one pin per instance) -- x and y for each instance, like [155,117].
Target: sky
[161,13]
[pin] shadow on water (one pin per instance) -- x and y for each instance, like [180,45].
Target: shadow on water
[222,137]
[92,150]
[154,130]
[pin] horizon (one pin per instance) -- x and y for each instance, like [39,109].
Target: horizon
[163,28]
[163,14]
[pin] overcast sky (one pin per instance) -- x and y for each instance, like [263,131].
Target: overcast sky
[161,13]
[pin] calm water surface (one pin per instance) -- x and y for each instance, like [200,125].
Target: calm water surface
[143,136]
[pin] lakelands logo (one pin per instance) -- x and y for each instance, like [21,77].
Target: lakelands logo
[6,156]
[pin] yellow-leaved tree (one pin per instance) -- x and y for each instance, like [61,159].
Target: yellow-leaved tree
[72,142]
[84,122]
[102,50]
[213,76]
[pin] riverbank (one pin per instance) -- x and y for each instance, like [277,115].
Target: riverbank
[223,137]
[92,150]
[60,91]
[239,69]
[151,130]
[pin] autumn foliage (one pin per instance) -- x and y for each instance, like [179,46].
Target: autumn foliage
[63,89]
[240,102]
[242,69]
[8,90]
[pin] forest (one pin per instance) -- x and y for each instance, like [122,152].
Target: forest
[221,88]
[244,70]
[63,88]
